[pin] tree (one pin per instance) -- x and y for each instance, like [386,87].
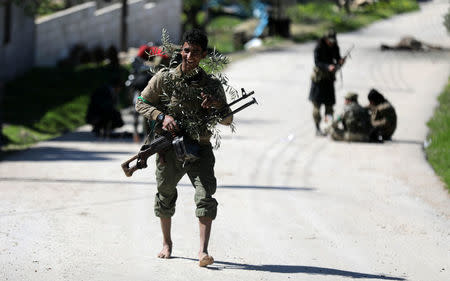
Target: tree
[191,8]
[124,26]
[30,6]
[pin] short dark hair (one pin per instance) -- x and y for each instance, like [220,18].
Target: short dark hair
[375,97]
[197,37]
[331,33]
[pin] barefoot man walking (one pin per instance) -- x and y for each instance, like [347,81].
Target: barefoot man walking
[178,99]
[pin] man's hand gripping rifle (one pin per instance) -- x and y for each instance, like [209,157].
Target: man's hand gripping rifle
[164,142]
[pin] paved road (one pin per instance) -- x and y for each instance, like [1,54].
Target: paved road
[292,206]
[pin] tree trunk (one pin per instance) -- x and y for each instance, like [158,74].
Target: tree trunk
[123,26]
[338,3]
[347,4]
[1,116]
[68,4]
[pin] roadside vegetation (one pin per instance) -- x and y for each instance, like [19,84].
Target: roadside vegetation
[438,152]
[47,102]
[311,20]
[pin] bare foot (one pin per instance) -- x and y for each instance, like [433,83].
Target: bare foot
[204,259]
[165,252]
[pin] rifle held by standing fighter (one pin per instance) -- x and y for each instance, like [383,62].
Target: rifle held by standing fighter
[181,144]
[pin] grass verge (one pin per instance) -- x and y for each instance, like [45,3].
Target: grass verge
[438,152]
[46,102]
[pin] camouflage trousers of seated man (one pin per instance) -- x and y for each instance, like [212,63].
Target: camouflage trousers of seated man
[169,171]
[338,134]
[316,111]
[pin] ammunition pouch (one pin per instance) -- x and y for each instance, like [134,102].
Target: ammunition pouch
[186,149]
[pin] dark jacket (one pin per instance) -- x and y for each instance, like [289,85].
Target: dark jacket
[322,86]
[384,119]
[102,109]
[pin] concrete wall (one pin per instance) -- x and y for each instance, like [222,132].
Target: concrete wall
[17,55]
[84,24]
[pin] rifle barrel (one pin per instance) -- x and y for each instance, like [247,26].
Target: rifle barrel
[244,96]
[240,108]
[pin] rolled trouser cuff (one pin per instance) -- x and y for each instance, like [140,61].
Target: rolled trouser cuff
[207,207]
[165,205]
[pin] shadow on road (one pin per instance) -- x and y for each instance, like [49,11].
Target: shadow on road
[84,136]
[147,183]
[417,142]
[268,187]
[48,153]
[221,265]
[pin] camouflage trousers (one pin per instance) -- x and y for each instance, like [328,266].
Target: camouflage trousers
[338,134]
[169,171]
[316,111]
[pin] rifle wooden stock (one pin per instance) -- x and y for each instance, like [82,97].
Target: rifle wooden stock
[126,166]
[159,144]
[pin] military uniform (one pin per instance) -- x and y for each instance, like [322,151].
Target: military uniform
[383,119]
[322,80]
[161,96]
[355,121]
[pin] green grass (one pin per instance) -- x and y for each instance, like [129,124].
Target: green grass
[438,153]
[318,16]
[220,33]
[46,102]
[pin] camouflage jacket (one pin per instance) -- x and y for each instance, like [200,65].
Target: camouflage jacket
[324,55]
[177,94]
[355,119]
[384,118]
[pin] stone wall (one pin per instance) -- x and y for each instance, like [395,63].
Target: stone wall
[56,34]
[16,55]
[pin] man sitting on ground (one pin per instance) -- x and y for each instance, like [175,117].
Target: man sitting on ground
[354,123]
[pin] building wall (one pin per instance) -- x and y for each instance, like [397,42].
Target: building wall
[84,24]
[17,55]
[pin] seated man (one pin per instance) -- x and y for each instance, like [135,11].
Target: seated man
[354,123]
[383,116]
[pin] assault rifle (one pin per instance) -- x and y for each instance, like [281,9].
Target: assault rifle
[339,65]
[347,55]
[184,147]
